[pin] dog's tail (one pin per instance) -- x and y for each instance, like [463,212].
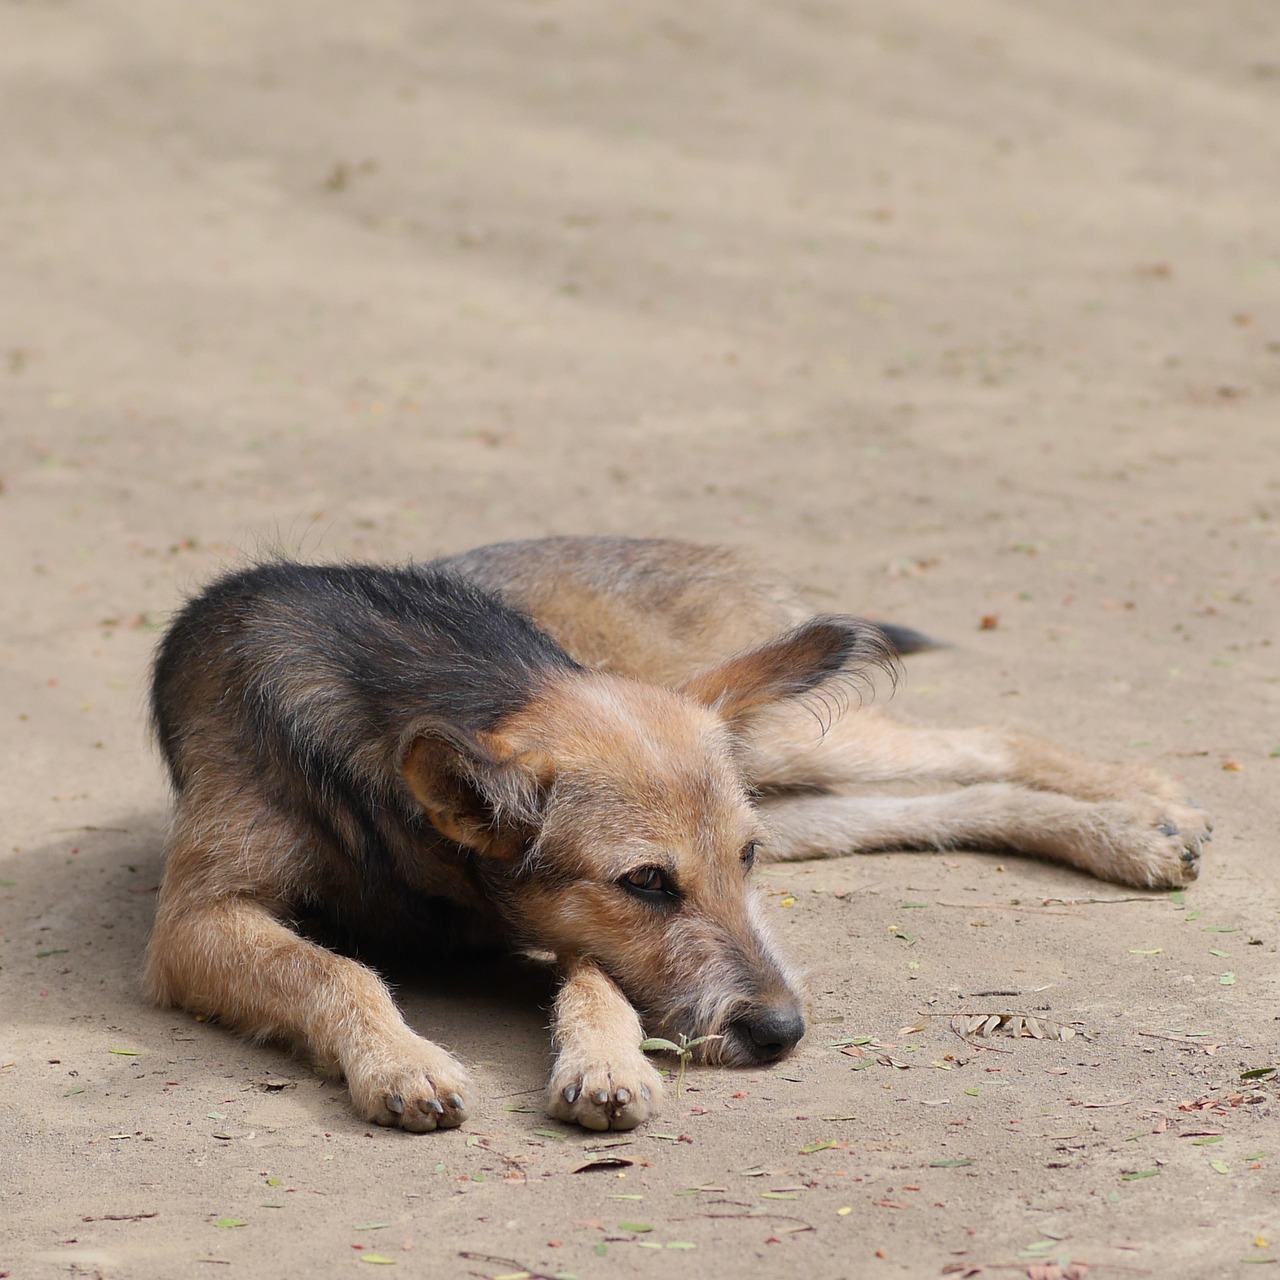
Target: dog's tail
[904,640]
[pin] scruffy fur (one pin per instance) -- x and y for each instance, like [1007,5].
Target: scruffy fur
[572,746]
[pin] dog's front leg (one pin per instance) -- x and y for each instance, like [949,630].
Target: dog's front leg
[601,1079]
[232,957]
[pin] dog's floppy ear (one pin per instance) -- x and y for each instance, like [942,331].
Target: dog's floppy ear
[474,789]
[821,652]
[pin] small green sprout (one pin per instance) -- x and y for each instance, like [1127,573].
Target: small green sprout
[683,1050]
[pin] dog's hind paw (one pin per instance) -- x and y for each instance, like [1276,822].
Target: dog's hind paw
[413,1085]
[1153,843]
[604,1095]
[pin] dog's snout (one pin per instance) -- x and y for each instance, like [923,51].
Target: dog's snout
[773,1033]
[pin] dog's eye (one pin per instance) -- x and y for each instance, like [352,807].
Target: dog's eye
[748,854]
[651,883]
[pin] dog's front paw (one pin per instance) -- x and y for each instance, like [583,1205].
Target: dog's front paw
[410,1084]
[604,1095]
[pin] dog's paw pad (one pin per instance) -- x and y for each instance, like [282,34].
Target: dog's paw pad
[419,1087]
[605,1095]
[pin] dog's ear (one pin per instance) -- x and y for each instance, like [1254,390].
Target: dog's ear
[473,788]
[824,653]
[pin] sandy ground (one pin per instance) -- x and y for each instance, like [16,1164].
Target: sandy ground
[953,309]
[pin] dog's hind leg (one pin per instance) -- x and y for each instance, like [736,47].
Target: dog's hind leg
[794,746]
[601,1079]
[1126,841]
[227,955]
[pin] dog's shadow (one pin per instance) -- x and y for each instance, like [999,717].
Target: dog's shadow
[77,913]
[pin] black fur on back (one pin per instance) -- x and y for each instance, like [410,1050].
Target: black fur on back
[355,651]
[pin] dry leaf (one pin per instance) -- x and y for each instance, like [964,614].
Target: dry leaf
[1016,1024]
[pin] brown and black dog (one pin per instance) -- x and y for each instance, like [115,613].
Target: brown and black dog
[573,746]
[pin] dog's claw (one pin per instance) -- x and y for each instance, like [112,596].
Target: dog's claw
[1167,829]
[600,1097]
[456,1102]
[623,1096]
[434,1104]
[395,1105]
[571,1093]
[645,1094]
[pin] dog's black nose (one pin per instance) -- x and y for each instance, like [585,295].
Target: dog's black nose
[773,1032]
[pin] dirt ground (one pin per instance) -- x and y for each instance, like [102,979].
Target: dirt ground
[965,313]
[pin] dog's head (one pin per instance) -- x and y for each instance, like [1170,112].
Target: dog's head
[613,822]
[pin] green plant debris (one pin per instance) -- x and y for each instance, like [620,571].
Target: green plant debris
[1256,1073]
[639,1228]
[1207,1141]
[818,1146]
[231,1222]
[684,1050]
[1140,1173]
[1039,1247]
[853,1041]
[962,1163]
[1219,1166]
[55,951]
[1228,979]
[557,1134]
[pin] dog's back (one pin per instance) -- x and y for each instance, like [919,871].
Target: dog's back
[326,665]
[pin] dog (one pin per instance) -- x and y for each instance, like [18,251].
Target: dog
[569,746]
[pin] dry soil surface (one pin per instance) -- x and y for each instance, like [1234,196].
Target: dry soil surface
[965,313]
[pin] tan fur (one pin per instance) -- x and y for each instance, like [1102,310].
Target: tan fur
[647,763]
